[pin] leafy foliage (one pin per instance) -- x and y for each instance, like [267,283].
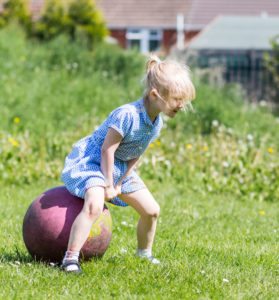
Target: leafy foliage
[86,22]
[79,19]
[272,64]
[15,10]
[52,22]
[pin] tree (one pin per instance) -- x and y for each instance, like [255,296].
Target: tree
[272,64]
[79,19]
[15,10]
[52,22]
[86,21]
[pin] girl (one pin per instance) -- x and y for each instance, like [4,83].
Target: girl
[101,166]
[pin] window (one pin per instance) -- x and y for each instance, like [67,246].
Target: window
[144,40]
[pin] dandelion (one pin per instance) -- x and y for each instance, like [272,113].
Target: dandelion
[151,145]
[270,150]
[13,142]
[158,143]
[167,163]
[261,212]
[226,164]
[16,120]
[215,123]
[263,103]
[240,180]
[189,146]
[230,131]
[75,65]
[250,137]
[205,148]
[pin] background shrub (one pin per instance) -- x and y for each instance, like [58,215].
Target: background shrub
[79,19]
[272,64]
[15,10]
[52,22]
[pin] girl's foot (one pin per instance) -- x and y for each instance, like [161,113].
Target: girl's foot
[153,260]
[71,266]
[146,254]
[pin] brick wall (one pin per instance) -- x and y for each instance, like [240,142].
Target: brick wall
[120,36]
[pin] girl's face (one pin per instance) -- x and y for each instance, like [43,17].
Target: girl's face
[171,105]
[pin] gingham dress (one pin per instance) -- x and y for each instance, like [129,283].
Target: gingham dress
[82,168]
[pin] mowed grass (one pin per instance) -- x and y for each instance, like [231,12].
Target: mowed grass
[213,247]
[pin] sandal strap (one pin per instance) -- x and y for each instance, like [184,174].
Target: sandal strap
[70,263]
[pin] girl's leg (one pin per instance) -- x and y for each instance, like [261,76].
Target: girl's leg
[144,203]
[92,209]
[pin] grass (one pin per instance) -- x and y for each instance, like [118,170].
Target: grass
[213,247]
[217,185]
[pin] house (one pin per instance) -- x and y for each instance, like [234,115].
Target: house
[149,25]
[163,24]
[236,45]
[146,25]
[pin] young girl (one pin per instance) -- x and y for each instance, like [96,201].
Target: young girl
[101,167]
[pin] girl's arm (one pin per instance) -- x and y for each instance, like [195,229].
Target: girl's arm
[111,143]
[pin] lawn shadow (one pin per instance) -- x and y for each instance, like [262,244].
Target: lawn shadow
[16,255]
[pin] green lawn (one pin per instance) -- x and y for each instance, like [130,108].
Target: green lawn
[211,247]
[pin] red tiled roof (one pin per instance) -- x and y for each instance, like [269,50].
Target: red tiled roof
[204,11]
[143,13]
[162,13]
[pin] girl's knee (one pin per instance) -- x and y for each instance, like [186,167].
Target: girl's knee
[153,212]
[92,209]
[93,205]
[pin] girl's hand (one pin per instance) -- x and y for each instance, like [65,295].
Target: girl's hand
[112,192]
[118,189]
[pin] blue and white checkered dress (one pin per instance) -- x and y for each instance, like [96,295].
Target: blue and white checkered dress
[83,165]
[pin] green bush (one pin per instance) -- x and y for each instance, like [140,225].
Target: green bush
[15,10]
[52,22]
[272,64]
[113,62]
[109,60]
[79,19]
[86,24]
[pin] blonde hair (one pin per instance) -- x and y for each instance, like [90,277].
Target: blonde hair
[169,78]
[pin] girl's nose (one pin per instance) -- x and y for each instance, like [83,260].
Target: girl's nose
[180,104]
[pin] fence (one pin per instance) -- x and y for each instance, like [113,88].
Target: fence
[246,68]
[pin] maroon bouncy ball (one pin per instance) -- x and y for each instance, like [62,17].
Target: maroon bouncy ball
[47,224]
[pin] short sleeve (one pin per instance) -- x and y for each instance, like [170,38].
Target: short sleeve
[121,121]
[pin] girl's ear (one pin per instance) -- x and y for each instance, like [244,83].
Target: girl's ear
[153,93]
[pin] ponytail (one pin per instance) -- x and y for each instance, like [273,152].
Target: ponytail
[152,62]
